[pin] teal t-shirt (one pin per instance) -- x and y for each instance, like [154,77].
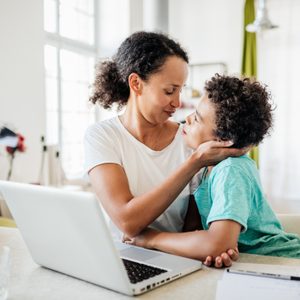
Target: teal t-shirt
[232,191]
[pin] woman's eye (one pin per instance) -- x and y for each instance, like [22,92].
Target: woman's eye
[169,92]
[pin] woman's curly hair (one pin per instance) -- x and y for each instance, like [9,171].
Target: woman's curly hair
[243,109]
[143,53]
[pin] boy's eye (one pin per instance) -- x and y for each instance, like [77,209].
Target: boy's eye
[195,118]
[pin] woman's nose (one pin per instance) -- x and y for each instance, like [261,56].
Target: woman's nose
[176,101]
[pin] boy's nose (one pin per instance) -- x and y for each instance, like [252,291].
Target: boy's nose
[188,119]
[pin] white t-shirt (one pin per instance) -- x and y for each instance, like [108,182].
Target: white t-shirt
[109,142]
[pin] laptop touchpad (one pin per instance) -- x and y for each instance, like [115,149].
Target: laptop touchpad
[138,254]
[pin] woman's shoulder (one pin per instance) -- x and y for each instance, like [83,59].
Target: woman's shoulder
[103,132]
[102,127]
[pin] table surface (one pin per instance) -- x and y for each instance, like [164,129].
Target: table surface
[30,281]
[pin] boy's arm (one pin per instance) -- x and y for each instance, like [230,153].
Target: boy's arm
[192,219]
[221,236]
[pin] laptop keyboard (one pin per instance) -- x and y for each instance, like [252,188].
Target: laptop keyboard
[138,272]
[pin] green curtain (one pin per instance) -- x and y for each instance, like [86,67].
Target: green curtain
[249,63]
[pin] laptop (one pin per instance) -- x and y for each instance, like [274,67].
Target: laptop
[66,231]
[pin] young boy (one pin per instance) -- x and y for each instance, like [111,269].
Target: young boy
[229,198]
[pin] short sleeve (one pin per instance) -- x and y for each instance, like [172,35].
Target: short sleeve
[231,191]
[194,183]
[100,146]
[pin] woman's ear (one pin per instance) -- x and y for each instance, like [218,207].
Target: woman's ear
[135,83]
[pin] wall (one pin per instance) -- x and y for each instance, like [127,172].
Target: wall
[113,25]
[22,101]
[279,64]
[209,30]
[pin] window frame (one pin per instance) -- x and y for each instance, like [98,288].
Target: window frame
[60,42]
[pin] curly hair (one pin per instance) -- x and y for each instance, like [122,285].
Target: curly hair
[243,109]
[143,53]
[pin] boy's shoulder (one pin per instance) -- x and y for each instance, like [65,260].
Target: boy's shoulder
[242,164]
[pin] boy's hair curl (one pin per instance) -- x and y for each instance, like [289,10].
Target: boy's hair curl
[243,109]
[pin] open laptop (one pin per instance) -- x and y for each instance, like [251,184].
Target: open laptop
[67,232]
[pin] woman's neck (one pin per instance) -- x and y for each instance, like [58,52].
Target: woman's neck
[154,135]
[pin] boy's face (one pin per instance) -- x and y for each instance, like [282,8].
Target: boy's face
[200,125]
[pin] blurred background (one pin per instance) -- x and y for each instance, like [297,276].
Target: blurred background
[49,49]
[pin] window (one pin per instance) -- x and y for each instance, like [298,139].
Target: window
[70,52]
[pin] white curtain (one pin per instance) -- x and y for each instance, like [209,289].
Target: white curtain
[279,67]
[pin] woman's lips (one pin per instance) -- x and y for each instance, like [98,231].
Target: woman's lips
[170,113]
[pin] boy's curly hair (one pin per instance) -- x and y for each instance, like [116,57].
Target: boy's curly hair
[243,109]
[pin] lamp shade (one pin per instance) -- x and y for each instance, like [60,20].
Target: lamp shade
[262,21]
[8,137]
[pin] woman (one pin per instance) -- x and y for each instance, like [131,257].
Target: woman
[137,162]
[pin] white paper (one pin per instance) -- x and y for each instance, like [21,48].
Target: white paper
[276,269]
[246,287]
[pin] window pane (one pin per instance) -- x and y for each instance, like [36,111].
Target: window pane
[67,78]
[52,127]
[50,55]
[50,19]
[70,154]
[86,6]
[51,94]
[51,85]
[77,20]
[76,70]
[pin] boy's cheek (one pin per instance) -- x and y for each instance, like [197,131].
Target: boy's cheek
[190,143]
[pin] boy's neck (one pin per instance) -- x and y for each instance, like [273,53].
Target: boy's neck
[209,168]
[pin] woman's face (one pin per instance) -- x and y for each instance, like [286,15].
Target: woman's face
[160,95]
[200,125]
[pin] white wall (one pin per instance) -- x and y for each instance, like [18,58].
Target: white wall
[210,30]
[113,25]
[22,101]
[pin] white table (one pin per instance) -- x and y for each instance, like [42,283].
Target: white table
[30,281]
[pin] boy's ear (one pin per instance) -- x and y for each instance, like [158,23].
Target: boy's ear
[135,83]
[228,141]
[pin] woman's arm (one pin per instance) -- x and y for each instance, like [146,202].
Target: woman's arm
[221,236]
[132,214]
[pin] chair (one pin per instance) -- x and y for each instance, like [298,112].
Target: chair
[6,222]
[290,222]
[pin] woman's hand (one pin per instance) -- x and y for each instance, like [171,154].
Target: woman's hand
[224,260]
[212,152]
[144,239]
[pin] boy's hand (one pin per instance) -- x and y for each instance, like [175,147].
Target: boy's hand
[224,260]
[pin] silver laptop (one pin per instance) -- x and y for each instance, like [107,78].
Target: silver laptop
[67,232]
